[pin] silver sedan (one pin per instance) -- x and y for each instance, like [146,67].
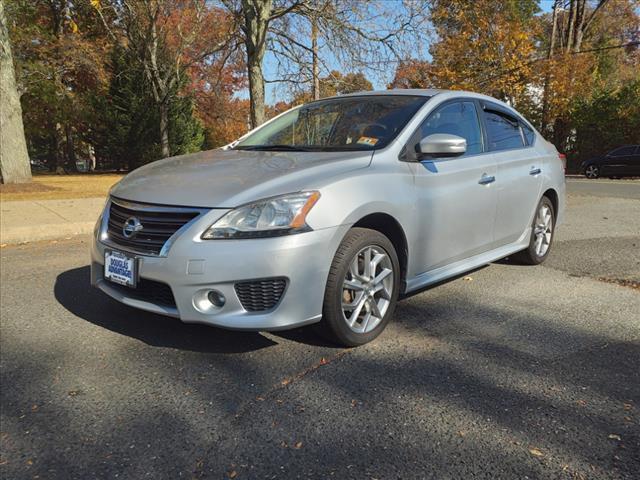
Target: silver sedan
[331,212]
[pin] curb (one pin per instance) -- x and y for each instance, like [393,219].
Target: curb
[15,235]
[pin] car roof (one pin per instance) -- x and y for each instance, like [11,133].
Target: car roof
[422,92]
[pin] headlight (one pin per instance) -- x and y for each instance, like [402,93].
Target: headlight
[266,218]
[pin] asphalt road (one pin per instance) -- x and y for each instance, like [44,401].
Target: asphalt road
[601,187]
[514,372]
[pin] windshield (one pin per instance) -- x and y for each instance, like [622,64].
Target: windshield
[349,123]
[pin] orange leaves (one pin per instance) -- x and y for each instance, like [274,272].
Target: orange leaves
[482,47]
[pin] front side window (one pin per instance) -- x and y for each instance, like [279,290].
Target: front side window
[350,123]
[503,131]
[459,118]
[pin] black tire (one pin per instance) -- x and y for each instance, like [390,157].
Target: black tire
[592,171]
[333,325]
[528,256]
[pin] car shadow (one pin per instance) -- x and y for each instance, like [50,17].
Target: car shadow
[74,292]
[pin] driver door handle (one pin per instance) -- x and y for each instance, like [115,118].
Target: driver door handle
[535,171]
[486,179]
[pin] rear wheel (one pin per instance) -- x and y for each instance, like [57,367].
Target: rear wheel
[592,171]
[362,288]
[541,234]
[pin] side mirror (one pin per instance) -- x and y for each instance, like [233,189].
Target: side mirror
[441,145]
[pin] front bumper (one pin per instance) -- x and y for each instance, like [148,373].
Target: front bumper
[193,265]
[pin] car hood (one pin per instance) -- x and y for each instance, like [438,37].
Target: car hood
[228,178]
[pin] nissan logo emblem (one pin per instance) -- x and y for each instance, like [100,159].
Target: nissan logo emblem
[131,227]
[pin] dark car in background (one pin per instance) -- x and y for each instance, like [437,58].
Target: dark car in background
[622,161]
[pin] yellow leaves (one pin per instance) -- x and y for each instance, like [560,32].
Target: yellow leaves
[74,26]
[96,4]
[481,48]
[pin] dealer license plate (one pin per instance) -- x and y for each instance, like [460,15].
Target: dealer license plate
[120,268]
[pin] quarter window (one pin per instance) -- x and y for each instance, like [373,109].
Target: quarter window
[459,118]
[528,133]
[503,131]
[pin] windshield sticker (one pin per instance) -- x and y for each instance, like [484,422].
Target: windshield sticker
[367,141]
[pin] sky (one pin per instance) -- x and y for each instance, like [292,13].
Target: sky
[278,91]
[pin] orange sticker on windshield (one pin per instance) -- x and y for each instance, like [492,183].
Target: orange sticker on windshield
[368,141]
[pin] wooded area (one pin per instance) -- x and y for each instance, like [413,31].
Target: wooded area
[114,84]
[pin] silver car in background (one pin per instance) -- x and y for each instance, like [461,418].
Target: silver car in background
[331,212]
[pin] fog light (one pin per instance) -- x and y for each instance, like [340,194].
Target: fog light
[216,298]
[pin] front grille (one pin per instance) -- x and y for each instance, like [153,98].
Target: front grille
[150,291]
[260,295]
[157,225]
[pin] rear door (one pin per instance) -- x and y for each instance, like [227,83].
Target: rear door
[519,171]
[635,163]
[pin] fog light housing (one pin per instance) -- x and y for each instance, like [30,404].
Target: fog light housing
[216,298]
[208,301]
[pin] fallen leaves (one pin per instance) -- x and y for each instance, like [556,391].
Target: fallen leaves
[536,452]
[298,445]
[468,279]
[614,436]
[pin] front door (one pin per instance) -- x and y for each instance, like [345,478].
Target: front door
[618,163]
[456,196]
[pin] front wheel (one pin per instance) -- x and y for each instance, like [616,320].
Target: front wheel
[362,288]
[541,234]
[592,171]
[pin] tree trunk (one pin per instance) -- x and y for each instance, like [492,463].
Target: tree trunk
[256,23]
[164,129]
[315,69]
[61,158]
[14,158]
[572,25]
[544,121]
[71,147]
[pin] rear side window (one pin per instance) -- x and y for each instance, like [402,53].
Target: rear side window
[622,151]
[503,131]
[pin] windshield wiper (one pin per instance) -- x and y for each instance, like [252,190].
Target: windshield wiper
[273,148]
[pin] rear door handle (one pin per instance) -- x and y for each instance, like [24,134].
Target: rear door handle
[486,179]
[535,171]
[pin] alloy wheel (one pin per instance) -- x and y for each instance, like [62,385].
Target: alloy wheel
[591,171]
[367,289]
[543,230]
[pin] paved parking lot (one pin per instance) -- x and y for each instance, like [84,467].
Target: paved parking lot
[513,372]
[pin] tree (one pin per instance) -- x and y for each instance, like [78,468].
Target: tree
[335,84]
[14,159]
[59,58]
[583,54]
[608,118]
[412,74]
[484,46]
[355,32]
[125,121]
[167,38]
